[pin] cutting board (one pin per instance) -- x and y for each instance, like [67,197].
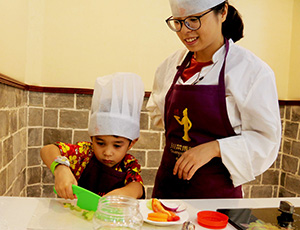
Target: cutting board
[52,215]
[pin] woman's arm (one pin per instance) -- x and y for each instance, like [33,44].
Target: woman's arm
[253,151]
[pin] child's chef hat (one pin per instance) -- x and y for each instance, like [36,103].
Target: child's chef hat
[116,105]
[183,8]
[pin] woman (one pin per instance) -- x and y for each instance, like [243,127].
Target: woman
[230,94]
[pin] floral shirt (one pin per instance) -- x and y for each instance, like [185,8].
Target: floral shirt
[81,153]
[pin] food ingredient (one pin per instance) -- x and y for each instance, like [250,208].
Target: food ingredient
[259,224]
[158,208]
[170,207]
[88,215]
[149,204]
[158,216]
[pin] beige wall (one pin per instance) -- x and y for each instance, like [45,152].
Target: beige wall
[268,31]
[294,80]
[13,37]
[71,42]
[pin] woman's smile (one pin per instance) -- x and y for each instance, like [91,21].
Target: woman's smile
[191,41]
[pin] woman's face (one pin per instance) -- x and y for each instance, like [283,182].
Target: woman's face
[208,38]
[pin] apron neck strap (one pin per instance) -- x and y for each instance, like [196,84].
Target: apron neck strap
[222,72]
[182,67]
[188,58]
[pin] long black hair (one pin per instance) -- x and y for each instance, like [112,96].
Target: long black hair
[233,26]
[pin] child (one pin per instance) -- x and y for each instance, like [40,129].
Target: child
[103,165]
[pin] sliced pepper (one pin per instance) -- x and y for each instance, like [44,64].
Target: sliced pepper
[157,207]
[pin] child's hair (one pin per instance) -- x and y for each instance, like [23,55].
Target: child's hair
[117,137]
[233,26]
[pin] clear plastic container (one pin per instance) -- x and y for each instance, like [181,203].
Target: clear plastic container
[118,213]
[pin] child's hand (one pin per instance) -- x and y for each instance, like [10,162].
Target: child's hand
[133,189]
[116,192]
[64,179]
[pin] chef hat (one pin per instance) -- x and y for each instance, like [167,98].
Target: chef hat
[183,8]
[116,105]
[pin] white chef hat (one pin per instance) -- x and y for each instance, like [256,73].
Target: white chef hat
[183,8]
[116,105]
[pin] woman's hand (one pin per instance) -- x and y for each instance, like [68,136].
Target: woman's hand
[64,179]
[194,158]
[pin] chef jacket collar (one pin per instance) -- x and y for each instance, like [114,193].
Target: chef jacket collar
[220,53]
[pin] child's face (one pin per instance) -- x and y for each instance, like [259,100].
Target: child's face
[110,150]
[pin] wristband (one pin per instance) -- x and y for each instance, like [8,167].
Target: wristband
[57,161]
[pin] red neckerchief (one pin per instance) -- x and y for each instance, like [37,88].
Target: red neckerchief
[193,68]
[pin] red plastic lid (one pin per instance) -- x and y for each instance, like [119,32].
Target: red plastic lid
[212,219]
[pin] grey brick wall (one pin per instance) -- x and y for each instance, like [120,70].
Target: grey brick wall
[290,152]
[30,120]
[13,141]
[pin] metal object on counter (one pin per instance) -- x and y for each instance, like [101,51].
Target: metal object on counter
[188,225]
[286,218]
[286,207]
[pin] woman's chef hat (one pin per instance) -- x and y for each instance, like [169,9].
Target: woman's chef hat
[116,105]
[183,8]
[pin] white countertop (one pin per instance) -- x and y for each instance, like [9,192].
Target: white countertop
[21,213]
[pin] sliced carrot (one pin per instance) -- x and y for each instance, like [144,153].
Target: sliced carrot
[157,219]
[156,216]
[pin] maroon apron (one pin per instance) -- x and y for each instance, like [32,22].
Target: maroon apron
[195,114]
[100,178]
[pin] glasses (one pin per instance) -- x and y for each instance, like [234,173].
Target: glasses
[191,22]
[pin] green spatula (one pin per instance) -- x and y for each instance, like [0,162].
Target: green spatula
[85,199]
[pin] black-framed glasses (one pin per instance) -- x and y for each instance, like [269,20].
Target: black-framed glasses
[191,22]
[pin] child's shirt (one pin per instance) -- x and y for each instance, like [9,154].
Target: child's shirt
[80,154]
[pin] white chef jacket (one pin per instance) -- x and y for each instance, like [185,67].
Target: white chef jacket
[252,107]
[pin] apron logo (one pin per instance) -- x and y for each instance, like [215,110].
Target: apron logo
[186,123]
[178,149]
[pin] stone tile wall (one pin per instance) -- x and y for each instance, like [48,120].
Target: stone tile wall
[52,117]
[30,120]
[283,177]
[290,153]
[65,117]
[13,141]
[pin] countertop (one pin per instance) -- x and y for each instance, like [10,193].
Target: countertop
[20,213]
